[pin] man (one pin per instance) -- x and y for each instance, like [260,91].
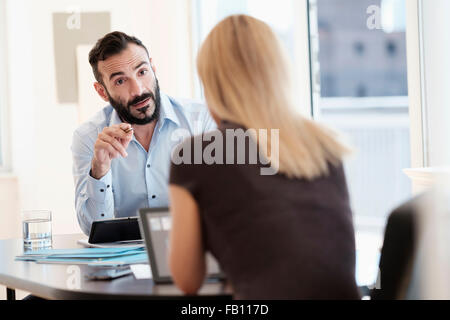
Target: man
[121,157]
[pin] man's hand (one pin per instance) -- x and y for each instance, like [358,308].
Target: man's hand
[111,143]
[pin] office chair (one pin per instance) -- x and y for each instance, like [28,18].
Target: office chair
[398,252]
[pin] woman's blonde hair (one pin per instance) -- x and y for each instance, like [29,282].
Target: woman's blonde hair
[246,78]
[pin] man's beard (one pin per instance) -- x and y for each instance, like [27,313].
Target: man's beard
[125,111]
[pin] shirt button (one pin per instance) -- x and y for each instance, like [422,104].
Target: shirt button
[148,166]
[153,196]
[102,190]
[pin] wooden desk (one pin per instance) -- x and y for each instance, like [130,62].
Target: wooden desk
[53,281]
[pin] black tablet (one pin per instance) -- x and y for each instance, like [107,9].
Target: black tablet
[122,229]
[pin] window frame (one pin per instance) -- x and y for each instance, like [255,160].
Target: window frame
[429,101]
[414,53]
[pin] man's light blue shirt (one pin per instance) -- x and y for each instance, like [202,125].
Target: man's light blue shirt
[140,180]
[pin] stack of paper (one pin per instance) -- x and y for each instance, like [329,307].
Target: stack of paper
[94,256]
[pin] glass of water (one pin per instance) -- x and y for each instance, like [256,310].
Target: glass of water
[37,229]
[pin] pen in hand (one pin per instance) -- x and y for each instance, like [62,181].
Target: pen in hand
[128,130]
[110,144]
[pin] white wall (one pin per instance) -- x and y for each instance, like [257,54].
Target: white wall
[9,198]
[41,128]
[436,81]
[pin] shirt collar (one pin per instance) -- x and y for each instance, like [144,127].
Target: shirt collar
[167,112]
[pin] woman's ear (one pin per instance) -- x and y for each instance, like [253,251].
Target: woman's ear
[101,91]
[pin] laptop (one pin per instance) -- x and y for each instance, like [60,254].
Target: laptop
[155,225]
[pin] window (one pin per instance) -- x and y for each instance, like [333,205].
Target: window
[359,67]
[211,12]
[207,13]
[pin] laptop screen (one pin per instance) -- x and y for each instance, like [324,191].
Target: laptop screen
[155,227]
[160,224]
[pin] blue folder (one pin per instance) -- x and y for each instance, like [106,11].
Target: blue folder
[104,256]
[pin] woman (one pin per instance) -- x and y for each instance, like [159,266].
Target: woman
[283,236]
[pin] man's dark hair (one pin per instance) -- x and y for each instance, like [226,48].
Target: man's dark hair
[111,44]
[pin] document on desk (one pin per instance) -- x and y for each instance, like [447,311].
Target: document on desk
[141,271]
[90,256]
